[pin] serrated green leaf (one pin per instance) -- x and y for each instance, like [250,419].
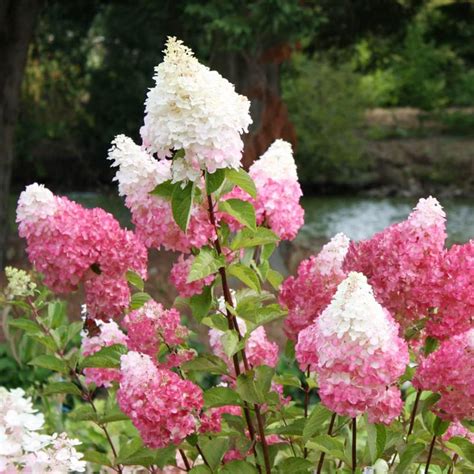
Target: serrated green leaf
[243,180]
[246,275]
[84,413]
[135,279]
[45,340]
[205,263]
[288,380]
[139,299]
[440,426]
[315,422]
[201,304]
[181,205]
[220,396]
[50,362]
[214,449]
[216,321]
[462,447]
[249,238]
[267,251]
[247,388]
[243,211]
[113,414]
[27,325]
[206,363]
[408,456]
[97,458]
[376,439]
[62,387]
[214,180]
[263,378]
[56,314]
[230,342]
[164,190]
[106,358]
[73,329]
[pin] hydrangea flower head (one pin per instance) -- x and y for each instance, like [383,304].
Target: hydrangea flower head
[307,294]
[179,278]
[194,109]
[359,352]
[163,407]
[19,283]
[400,261]
[448,371]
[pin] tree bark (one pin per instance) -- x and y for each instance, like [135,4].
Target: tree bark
[17,21]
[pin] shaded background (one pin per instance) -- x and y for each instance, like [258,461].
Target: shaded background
[376,96]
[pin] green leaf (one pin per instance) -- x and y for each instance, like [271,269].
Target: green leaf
[294,465]
[315,421]
[275,278]
[267,251]
[135,279]
[408,455]
[243,211]
[230,342]
[243,180]
[113,414]
[141,457]
[249,238]
[201,304]
[181,205]
[220,396]
[50,362]
[440,426]
[288,380]
[97,458]
[27,325]
[246,275]
[106,358]
[431,344]
[45,340]
[238,467]
[139,299]
[206,363]
[84,413]
[247,389]
[263,378]
[62,387]
[216,321]
[462,447]
[165,189]
[202,469]
[56,313]
[376,439]
[327,444]
[214,449]
[205,263]
[214,180]
[74,329]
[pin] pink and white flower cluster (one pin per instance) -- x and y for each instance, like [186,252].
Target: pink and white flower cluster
[138,174]
[22,446]
[179,278]
[308,294]
[194,109]
[162,406]
[70,244]
[449,372]
[358,354]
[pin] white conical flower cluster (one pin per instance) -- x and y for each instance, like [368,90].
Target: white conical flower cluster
[194,109]
[277,162]
[35,203]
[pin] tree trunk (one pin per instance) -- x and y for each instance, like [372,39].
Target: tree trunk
[257,76]
[17,20]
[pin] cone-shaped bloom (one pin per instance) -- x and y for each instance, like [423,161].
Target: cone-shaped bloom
[359,354]
[70,244]
[449,372]
[163,407]
[401,261]
[109,334]
[194,109]
[307,294]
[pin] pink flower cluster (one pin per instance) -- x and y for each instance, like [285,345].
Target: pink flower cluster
[152,325]
[109,334]
[401,261]
[211,421]
[163,407]
[179,278]
[358,353]
[458,430]
[307,294]
[70,244]
[449,372]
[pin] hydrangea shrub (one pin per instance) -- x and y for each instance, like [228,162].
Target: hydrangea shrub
[376,374]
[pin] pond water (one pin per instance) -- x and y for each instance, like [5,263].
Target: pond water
[360,217]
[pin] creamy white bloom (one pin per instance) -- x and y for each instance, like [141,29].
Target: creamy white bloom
[194,109]
[19,283]
[36,202]
[138,172]
[332,255]
[427,212]
[23,447]
[276,163]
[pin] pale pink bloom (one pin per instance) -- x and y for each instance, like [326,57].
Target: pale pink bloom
[458,430]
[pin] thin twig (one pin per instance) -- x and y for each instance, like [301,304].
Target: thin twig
[354,444]
[323,454]
[430,453]
[413,413]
